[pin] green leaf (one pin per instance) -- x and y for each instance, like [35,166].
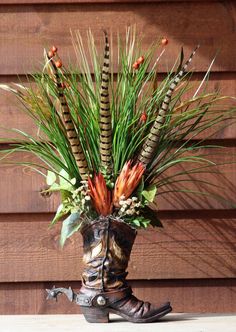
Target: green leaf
[150,193]
[54,187]
[66,184]
[59,214]
[51,178]
[69,226]
[140,221]
[65,179]
[136,222]
[65,194]
[140,189]
[145,223]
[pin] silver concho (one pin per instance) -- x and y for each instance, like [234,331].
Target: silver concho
[101,300]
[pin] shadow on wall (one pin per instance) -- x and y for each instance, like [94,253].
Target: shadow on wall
[190,248]
[214,189]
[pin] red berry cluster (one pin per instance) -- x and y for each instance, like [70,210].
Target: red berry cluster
[51,53]
[138,62]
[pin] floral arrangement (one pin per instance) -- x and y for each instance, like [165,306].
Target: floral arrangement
[109,132]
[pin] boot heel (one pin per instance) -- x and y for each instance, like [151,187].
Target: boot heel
[95,315]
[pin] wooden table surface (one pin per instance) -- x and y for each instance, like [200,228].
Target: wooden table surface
[69,323]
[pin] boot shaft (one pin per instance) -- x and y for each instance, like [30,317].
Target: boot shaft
[107,246]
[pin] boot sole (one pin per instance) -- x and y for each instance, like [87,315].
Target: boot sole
[95,315]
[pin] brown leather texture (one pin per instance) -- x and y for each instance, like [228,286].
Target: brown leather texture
[107,247]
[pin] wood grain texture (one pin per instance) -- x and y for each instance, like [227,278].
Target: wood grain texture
[26,30]
[12,116]
[202,296]
[22,186]
[193,258]
[223,184]
[184,248]
[26,2]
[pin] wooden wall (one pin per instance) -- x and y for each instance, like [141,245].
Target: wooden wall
[192,260]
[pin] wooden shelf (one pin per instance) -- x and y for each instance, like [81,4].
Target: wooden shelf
[172,322]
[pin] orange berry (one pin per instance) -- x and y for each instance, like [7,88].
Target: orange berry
[58,63]
[136,65]
[140,60]
[164,41]
[143,117]
[50,54]
[54,49]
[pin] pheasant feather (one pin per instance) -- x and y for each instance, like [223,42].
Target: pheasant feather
[70,128]
[150,145]
[105,114]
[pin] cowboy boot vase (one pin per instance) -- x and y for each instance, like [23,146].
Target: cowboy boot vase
[107,247]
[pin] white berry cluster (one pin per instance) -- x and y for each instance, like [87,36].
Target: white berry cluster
[129,206]
[80,197]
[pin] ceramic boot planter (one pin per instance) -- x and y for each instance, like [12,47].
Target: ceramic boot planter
[107,247]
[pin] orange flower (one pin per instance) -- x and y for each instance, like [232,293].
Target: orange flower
[101,196]
[127,181]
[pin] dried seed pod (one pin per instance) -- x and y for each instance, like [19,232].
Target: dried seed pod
[140,60]
[143,117]
[136,65]
[58,63]
[54,49]
[50,54]
[164,41]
